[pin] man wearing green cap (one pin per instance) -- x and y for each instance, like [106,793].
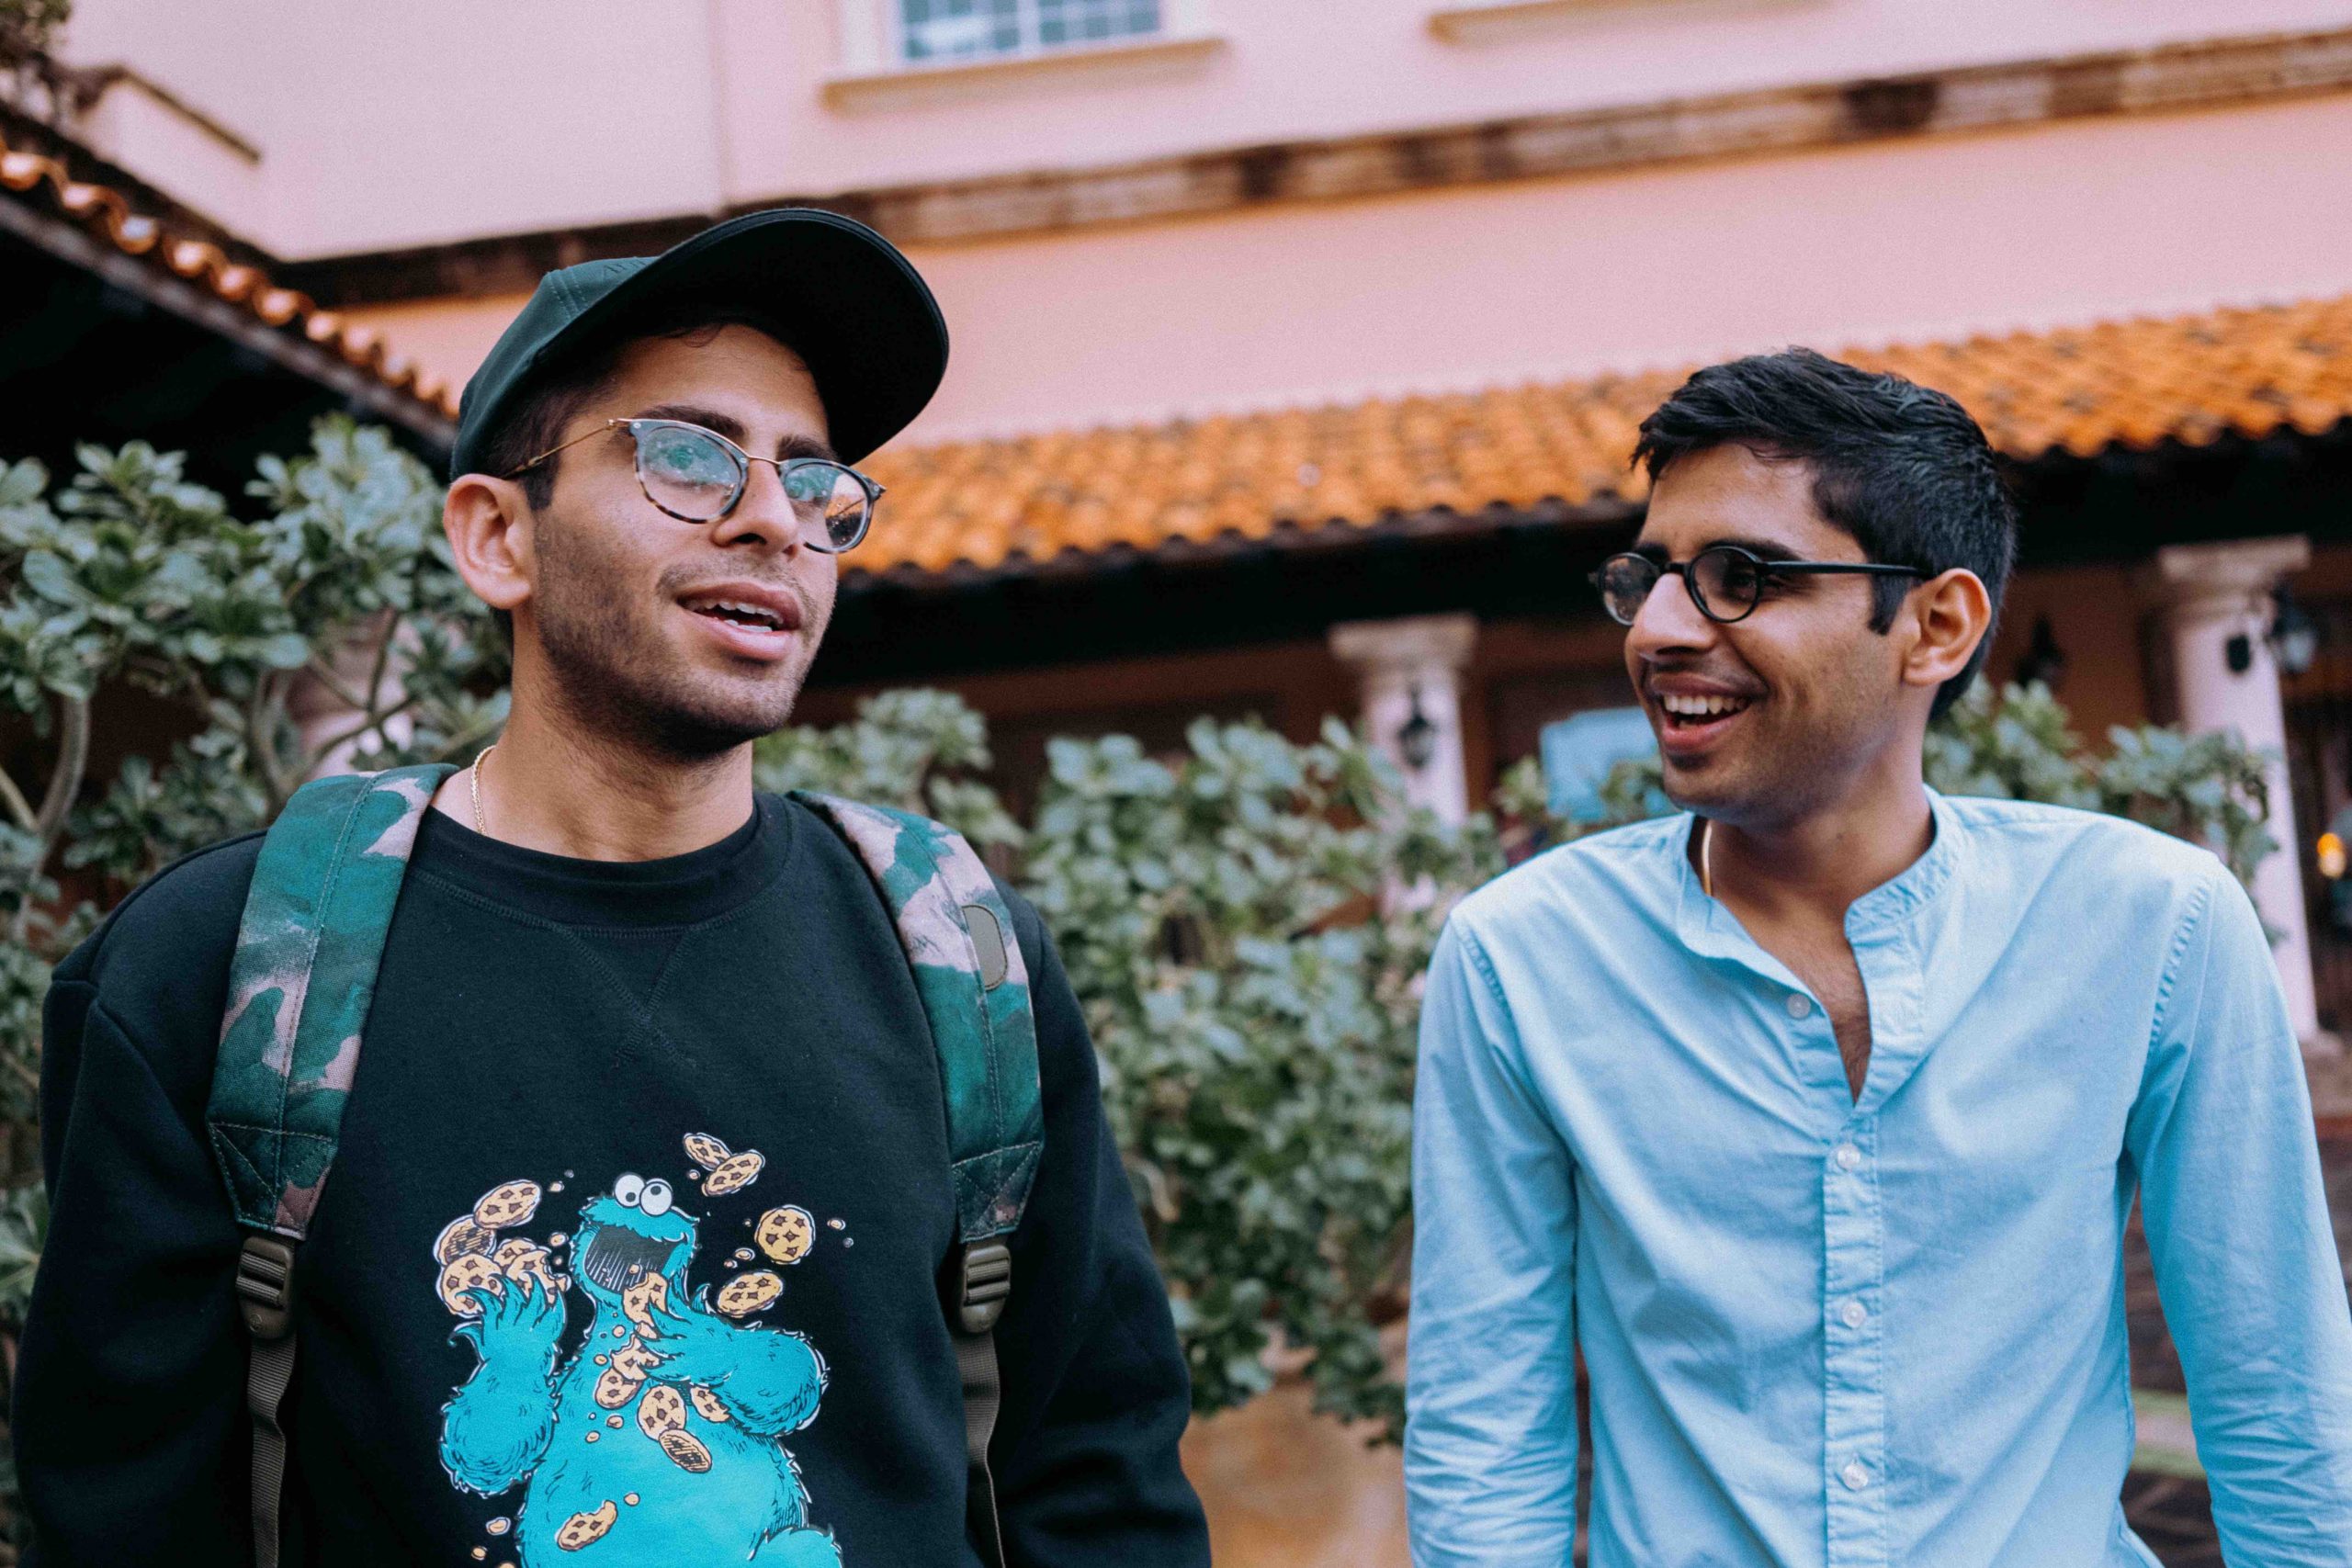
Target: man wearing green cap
[640,1221]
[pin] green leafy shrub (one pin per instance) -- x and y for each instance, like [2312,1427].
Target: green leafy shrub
[1245,923]
[128,581]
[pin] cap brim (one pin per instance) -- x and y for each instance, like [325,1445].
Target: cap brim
[837,294]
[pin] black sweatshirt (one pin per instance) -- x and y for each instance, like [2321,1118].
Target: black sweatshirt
[550,1035]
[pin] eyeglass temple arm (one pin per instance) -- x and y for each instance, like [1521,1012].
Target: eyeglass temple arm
[1874,568]
[552,451]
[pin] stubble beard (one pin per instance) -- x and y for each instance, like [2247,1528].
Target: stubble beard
[1773,780]
[615,676]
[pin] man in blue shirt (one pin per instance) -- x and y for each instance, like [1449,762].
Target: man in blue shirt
[1813,1116]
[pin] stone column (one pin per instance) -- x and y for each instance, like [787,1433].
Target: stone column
[1410,667]
[2214,610]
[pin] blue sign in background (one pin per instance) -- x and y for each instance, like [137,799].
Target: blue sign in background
[1579,751]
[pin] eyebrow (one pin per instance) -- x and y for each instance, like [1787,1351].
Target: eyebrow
[787,449]
[1766,550]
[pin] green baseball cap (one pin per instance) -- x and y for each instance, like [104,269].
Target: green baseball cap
[835,292]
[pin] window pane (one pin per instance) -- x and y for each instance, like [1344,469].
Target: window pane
[1088,21]
[950,29]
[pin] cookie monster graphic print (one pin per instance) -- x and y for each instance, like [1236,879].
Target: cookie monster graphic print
[656,1442]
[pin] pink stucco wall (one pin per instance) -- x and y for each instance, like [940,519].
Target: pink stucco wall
[382,125]
[2062,223]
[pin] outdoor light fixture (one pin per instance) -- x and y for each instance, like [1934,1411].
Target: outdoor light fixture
[2293,637]
[2294,634]
[1417,737]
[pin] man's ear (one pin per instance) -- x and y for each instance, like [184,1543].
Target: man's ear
[493,532]
[1951,614]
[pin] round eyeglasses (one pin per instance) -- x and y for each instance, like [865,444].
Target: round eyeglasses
[699,476]
[1726,582]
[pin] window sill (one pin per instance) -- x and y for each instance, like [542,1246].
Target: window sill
[1485,21]
[908,85]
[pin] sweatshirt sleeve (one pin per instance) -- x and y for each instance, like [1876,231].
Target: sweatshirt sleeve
[129,1417]
[2244,1253]
[128,1420]
[1095,1390]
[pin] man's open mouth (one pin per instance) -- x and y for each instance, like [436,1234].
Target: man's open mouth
[617,1257]
[742,614]
[1684,712]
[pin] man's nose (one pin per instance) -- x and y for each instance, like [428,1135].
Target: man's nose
[1669,621]
[763,515]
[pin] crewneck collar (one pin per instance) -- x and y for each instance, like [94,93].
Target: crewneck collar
[674,890]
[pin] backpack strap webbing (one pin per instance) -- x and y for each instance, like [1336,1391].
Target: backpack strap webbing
[958,937]
[308,948]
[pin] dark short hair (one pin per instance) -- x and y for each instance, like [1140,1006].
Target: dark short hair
[535,418]
[1900,467]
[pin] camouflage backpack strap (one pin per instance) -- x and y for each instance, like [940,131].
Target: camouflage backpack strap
[960,942]
[299,985]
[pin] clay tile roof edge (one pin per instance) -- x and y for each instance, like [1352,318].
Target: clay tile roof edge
[104,211]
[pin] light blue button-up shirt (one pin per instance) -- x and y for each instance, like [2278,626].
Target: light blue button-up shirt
[1883,1332]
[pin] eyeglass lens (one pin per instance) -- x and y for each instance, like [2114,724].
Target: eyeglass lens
[693,476]
[1724,582]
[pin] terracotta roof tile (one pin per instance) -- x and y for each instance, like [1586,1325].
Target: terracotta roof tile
[105,210]
[986,504]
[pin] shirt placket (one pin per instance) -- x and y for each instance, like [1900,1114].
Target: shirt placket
[1854,1363]
[1855,1463]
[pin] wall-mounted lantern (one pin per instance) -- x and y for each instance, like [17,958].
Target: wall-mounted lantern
[1417,737]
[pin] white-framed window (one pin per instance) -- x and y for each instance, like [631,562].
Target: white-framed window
[937,30]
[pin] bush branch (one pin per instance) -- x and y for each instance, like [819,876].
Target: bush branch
[324,674]
[65,778]
[19,809]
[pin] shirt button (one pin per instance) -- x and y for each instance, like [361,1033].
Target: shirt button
[1799,1004]
[1854,1314]
[1848,1157]
[1854,1476]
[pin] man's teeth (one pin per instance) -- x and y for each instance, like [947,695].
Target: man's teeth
[734,611]
[1701,707]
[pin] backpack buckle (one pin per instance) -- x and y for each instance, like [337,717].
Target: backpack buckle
[265,1286]
[988,1282]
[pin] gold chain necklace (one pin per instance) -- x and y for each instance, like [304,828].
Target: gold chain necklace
[473,786]
[1706,848]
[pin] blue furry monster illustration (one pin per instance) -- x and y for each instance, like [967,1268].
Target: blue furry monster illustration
[656,1444]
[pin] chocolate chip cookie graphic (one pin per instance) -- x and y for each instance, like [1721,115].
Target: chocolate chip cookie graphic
[785,1235]
[582,1528]
[615,1388]
[469,1273]
[510,1203]
[748,1293]
[685,1451]
[460,1236]
[654,1287]
[661,1410]
[631,1361]
[520,1260]
[706,1151]
[736,1173]
[708,1403]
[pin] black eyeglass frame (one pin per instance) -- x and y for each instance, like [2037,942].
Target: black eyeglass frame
[784,467]
[1763,568]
